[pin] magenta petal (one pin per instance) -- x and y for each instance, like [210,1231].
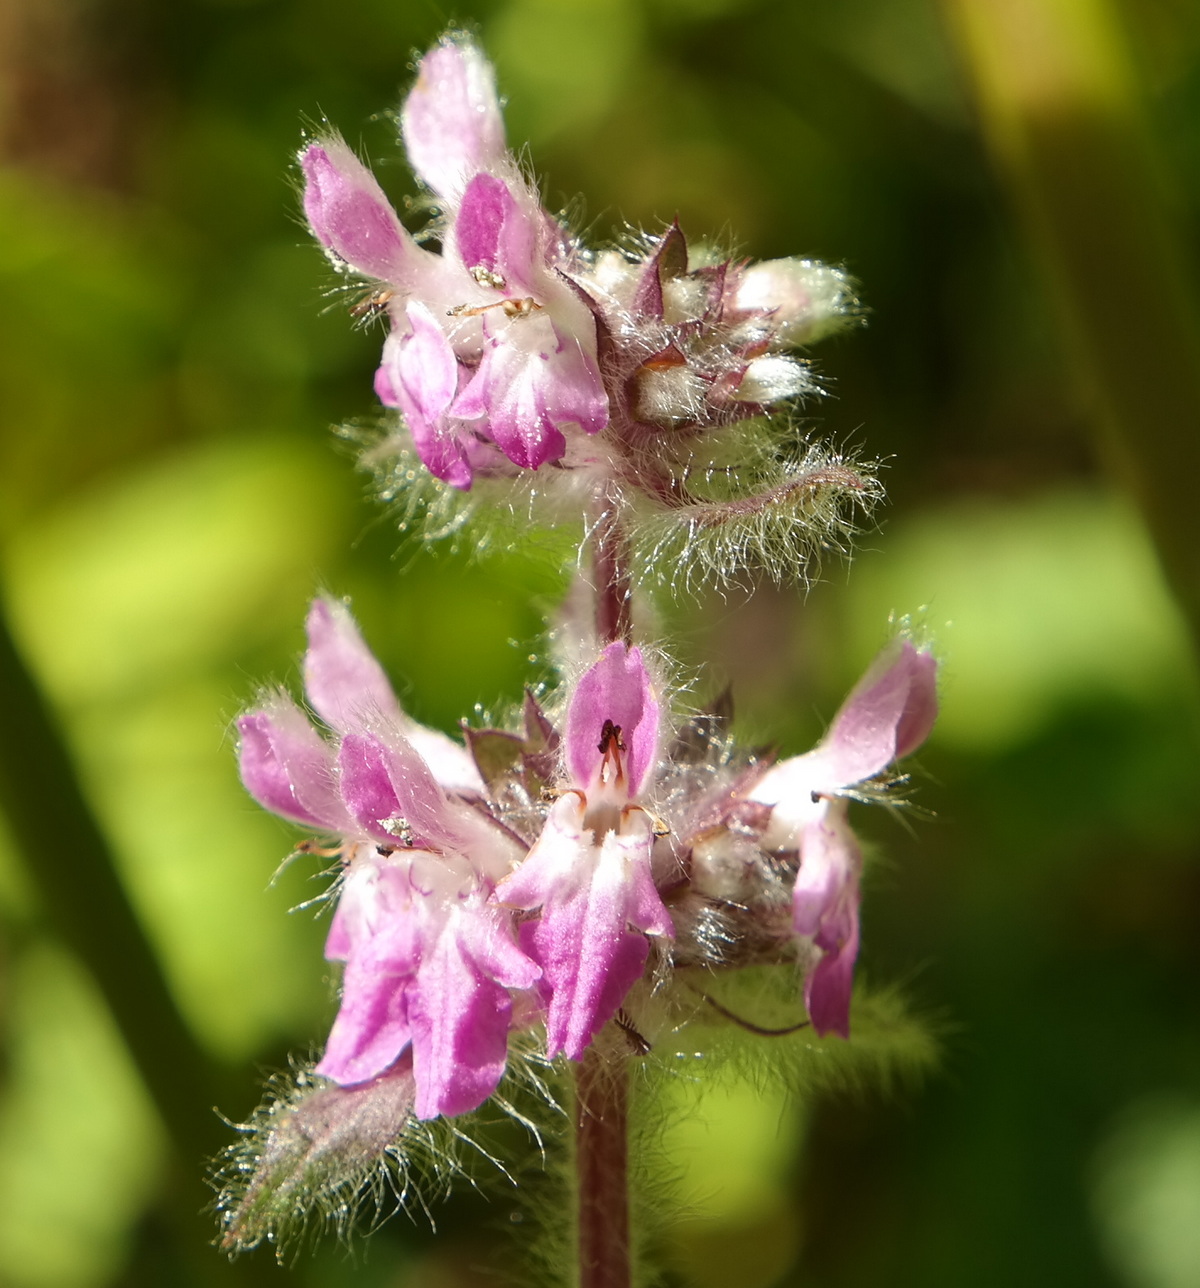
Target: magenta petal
[345,684]
[590,896]
[462,1009]
[367,787]
[460,1032]
[828,989]
[287,767]
[451,120]
[492,231]
[889,713]
[616,687]
[371,1029]
[347,210]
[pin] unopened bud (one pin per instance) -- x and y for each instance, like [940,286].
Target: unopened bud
[805,300]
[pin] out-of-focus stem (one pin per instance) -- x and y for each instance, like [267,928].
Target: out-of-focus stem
[1062,114]
[602,1169]
[72,868]
[610,572]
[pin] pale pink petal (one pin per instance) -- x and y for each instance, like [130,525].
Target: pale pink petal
[530,381]
[889,714]
[451,120]
[350,215]
[419,374]
[374,921]
[829,863]
[825,909]
[795,789]
[615,688]
[345,684]
[450,763]
[287,767]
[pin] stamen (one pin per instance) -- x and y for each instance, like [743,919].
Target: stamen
[512,308]
[374,303]
[610,746]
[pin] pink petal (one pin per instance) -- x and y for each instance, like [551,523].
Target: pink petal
[493,232]
[827,991]
[590,897]
[461,1011]
[451,120]
[419,374]
[616,687]
[287,767]
[530,381]
[372,1027]
[825,908]
[889,714]
[374,932]
[348,212]
[387,786]
[345,684]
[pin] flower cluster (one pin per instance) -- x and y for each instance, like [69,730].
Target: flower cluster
[514,348]
[472,900]
[572,885]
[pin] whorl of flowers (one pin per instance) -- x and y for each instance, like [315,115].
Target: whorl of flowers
[555,878]
[651,379]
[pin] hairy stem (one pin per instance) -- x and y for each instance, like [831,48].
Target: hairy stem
[610,571]
[602,1166]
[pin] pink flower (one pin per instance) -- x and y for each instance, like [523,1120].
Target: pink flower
[490,346]
[429,960]
[514,347]
[887,716]
[589,872]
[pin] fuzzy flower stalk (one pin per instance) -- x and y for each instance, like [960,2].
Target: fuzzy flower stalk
[559,897]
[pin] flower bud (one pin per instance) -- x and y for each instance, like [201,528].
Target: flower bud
[805,300]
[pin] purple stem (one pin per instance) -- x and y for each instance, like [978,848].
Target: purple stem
[601,1077]
[610,570]
[602,1164]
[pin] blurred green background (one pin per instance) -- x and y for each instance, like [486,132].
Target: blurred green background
[170,498]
